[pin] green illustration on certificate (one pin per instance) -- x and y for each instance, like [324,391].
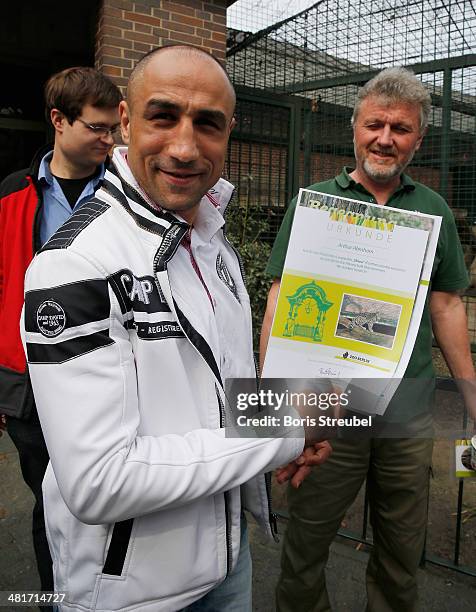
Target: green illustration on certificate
[307,312]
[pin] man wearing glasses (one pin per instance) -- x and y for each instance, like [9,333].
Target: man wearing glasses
[82,105]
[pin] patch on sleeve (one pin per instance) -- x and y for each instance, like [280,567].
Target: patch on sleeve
[61,352]
[50,311]
[50,318]
[67,321]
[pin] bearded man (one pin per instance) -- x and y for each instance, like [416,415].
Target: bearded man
[390,119]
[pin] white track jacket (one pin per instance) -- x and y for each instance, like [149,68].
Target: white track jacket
[144,491]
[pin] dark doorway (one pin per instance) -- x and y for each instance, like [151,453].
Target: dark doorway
[36,40]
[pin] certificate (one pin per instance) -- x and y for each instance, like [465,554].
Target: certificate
[353,290]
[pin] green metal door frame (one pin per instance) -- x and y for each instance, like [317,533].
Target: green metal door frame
[445,132]
[297,132]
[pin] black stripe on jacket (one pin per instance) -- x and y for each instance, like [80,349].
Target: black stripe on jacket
[141,221]
[82,302]
[116,555]
[79,220]
[59,352]
[199,342]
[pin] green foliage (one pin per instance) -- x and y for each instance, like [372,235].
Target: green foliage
[244,229]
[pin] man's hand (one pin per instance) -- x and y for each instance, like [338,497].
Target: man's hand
[296,471]
[467,388]
[3,424]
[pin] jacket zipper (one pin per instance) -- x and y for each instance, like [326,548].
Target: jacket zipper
[272,516]
[36,217]
[229,548]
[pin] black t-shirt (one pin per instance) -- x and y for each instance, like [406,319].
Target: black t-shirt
[73,188]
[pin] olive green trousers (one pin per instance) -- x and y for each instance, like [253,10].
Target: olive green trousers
[397,472]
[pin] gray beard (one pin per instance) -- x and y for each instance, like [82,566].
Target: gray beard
[383,174]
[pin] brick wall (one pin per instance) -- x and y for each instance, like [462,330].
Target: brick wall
[128,29]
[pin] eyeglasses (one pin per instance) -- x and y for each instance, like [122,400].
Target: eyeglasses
[101,130]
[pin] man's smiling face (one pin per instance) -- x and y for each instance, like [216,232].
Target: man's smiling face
[386,136]
[177,126]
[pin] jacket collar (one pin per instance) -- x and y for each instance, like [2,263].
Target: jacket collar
[34,168]
[218,197]
[345,181]
[44,171]
[36,161]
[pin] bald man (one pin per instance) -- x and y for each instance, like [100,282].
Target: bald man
[135,313]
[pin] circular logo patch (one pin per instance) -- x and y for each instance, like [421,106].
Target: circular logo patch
[51,318]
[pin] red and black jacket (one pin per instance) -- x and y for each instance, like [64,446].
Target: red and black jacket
[20,207]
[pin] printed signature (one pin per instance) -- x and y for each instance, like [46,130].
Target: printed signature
[328,372]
